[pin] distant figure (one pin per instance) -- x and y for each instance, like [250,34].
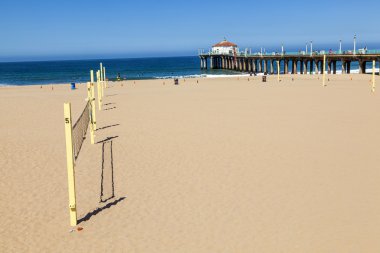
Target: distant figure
[118,76]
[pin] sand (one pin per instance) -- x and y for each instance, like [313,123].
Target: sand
[225,165]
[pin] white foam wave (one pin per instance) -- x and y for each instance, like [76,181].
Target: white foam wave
[179,76]
[206,76]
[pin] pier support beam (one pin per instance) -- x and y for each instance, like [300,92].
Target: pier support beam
[317,67]
[362,67]
[249,65]
[265,70]
[259,67]
[348,67]
[286,66]
[294,69]
[211,62]
[321,70]
[203,63]
[304,63]
[343,67]
[311,69]
[334,67]
[254,65]
[271,67]
[329,63]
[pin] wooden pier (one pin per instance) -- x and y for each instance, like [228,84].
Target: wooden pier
[289,63]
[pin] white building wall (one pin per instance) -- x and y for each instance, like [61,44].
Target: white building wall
[224,50]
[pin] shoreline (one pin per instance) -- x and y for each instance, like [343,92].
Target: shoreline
[202,76]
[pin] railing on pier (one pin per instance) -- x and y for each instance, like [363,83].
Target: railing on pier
[300,53]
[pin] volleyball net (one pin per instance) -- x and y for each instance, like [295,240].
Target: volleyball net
[80,129]
[76,134]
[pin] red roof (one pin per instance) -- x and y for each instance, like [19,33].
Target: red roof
[225,43]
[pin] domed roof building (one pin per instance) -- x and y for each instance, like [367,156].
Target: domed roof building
[224,47]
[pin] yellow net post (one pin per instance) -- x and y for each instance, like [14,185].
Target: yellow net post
[373,75]
[101,78]
[104,75]
[101,71]
[99,90]
[102,82]
[70,164]
[278,71]
[89,100]
[324,70]
[93,99]
[92,76]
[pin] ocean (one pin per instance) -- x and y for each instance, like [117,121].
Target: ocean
[78,71]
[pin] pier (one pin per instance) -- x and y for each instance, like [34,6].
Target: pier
[288,62]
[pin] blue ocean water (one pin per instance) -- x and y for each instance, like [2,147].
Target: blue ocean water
[47,72]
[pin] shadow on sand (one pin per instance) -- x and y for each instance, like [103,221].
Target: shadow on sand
[111,108]
[107,139]
[107,127]
[100,209]
[107,186]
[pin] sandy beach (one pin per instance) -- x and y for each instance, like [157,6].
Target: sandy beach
[223,165]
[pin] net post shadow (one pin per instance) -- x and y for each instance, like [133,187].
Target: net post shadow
[107,186]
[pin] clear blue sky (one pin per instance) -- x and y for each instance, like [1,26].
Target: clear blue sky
[58,29]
